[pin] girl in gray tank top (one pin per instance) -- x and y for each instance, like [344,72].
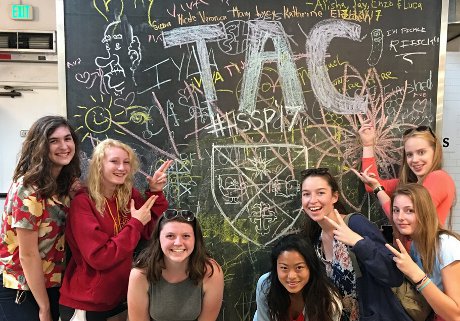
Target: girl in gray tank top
[182,282]
[165,296]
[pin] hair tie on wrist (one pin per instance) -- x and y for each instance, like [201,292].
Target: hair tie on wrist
[421,281]
[419,289]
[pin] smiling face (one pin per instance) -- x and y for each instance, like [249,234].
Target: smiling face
[318,199]
[293,272]
[116,166]
[419,155]
[177,241]
[404,216]
[61,148]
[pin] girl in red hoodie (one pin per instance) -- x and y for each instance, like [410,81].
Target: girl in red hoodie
[104,225]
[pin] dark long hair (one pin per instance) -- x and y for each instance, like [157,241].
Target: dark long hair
[312,230]
[319,294]
[34,164]
[150,260]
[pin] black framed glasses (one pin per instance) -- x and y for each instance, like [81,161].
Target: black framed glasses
[421,128]
[187,215]
[314,171]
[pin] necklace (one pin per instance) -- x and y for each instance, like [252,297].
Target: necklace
[116,221]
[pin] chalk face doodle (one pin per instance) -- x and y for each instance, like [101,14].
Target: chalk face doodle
[117,36]
[244,95]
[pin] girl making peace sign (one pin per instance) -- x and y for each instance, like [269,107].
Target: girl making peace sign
[434,260]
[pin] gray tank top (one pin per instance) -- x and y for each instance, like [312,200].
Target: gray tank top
[175,301]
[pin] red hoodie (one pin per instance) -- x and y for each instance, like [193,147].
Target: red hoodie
[96,278]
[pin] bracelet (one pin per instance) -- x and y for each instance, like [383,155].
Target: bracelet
[421,281]
[419,289]
[378,189]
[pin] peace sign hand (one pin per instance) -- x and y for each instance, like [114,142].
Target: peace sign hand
[143,214]
[366,131]
[405,263]
[158,181]
[342,232]
[367,178]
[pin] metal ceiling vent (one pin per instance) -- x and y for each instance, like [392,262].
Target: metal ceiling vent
[32,46]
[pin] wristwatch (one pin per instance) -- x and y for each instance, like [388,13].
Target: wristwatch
[378,189]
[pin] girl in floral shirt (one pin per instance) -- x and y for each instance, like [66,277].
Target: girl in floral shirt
[32,234]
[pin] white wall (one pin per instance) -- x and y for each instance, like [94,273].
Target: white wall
[451,128]
[44,16]
[19,113]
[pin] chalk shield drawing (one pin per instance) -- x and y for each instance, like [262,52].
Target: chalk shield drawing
[256,184]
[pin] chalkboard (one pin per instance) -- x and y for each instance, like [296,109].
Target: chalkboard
[244,95]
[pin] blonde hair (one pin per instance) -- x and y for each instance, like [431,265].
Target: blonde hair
[428,230]
[94,181]
[406,175]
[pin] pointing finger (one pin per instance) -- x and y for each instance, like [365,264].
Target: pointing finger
[368,167]
[392,249]
[332,222]
[369,114]
[164,167]
[149,203]
[339,217]
[402,249]
[355,171]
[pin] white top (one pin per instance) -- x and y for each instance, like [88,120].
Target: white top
[449,253]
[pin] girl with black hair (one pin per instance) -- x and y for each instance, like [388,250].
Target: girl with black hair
[297,287]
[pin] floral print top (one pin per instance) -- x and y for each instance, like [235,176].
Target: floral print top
[23,209]
[340,271]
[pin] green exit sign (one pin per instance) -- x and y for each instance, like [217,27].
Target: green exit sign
[21,12]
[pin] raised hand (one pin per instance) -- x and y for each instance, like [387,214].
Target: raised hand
[405,263]
[143,213]
[342,232]
[158,181]
[367,178]
[366,131]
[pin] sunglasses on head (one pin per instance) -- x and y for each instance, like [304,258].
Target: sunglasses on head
[314,171]
[422,128]
[187,215]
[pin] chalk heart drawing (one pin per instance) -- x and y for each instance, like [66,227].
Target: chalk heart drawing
[419,105]
[84,78]
[125,102]
[255,188]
